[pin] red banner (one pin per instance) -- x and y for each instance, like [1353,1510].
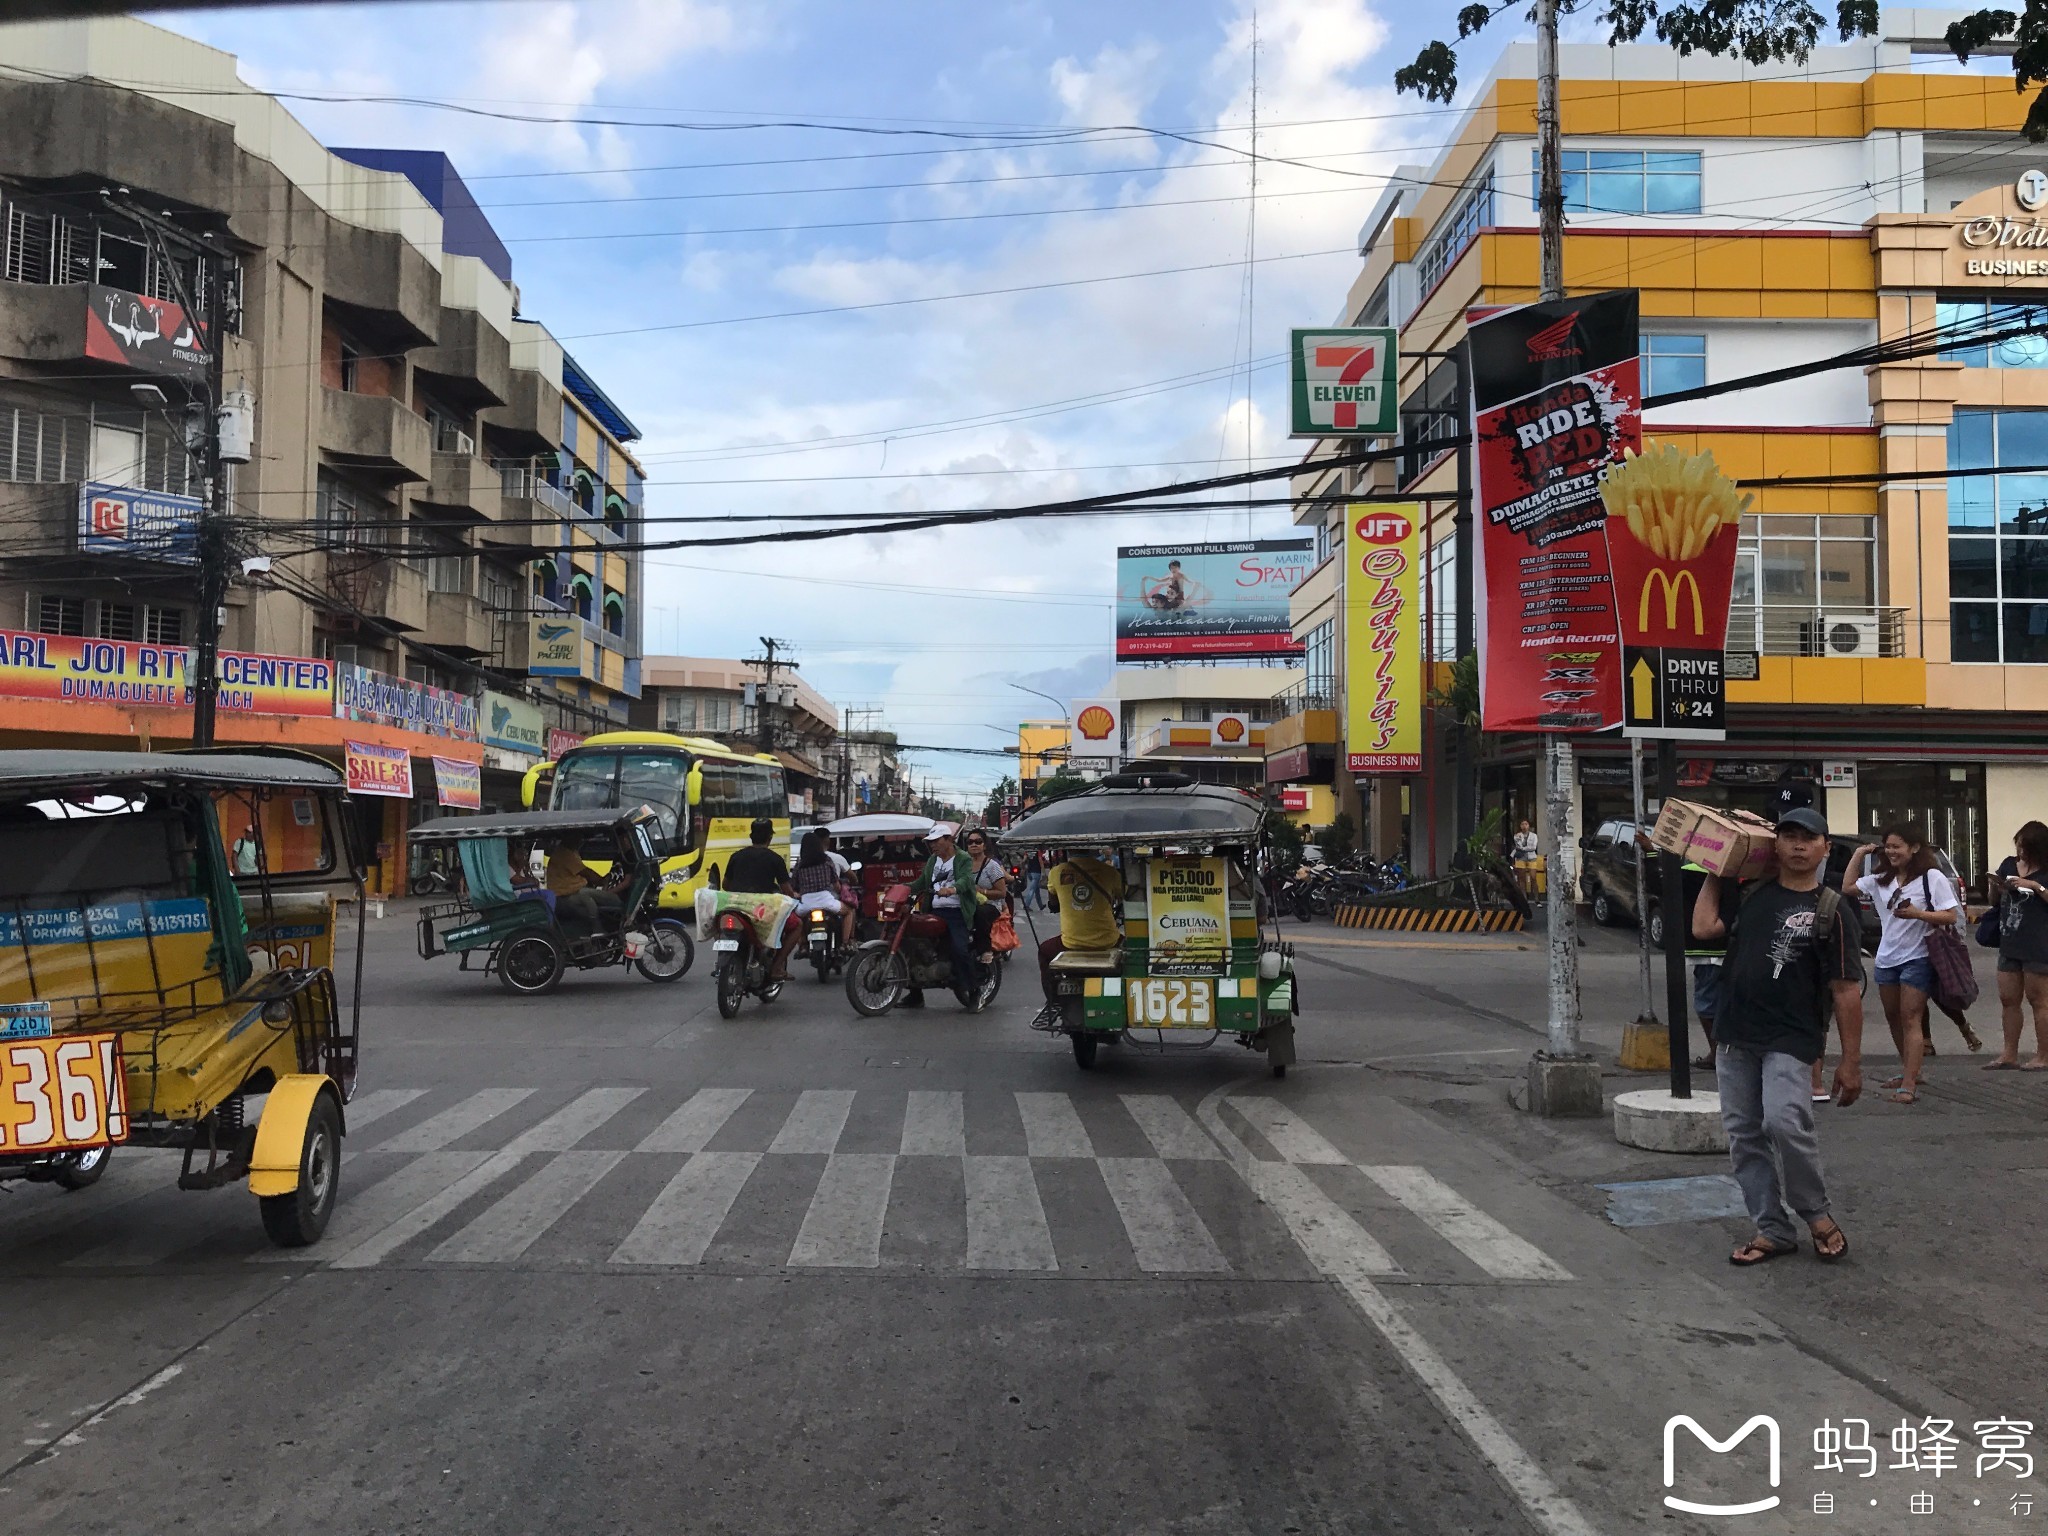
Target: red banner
[375,770]
[1557,397]
[561,741]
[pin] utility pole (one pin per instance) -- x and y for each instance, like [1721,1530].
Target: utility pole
[1569,1078]
[764,717]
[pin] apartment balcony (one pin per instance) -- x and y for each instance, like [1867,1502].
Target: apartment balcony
[376,433]
[370,584]
[1841,632]
[461,482]
[470,363]
[530,420]
[460,623]
[527,508]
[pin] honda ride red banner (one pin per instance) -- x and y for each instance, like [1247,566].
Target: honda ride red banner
[1556,397]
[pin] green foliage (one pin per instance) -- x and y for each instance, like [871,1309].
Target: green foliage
[1482,848]
[1339,837]
[1756,31]
[1060,783]
[1285,839]
[1461,699]
[993,815]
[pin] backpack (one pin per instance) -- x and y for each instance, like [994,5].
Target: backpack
[1824,909]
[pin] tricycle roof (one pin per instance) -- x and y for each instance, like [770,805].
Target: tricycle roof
[45,770]
[1121,813]
[880,824]
[518,824]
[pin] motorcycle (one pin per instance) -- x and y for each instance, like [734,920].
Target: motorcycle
[912,954]
[822,945]
[741,964]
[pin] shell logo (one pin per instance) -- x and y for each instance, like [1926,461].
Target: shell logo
[1095,723]
[1230,729]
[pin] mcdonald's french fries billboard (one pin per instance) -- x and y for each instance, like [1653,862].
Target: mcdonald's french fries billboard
[1382,638]
[1672,525]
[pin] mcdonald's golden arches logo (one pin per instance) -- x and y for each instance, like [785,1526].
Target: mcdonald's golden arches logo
[1672,585]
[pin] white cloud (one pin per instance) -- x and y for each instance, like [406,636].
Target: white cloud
[1114,91]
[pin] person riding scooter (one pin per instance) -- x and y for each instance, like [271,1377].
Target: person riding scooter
[818,877]
[947,886]
[757,869]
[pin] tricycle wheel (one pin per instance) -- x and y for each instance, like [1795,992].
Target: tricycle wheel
[297,1219]
[731,981]
[875,980]
[1084,1049]
[529,964]
[82,1170]
[670,951]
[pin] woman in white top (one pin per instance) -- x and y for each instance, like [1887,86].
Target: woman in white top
[992,880]
[1911,894]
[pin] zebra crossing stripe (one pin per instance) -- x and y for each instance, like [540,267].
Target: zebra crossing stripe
[573,1121]
[816,1121]
[843,1227]
[679,1226]
[1165,1233]
[1329,1234]
[361,1216]
[456,1121]
[1292,1137]
[369,1108]
[935,1125]
[1006,1227]
[1171,1129]
[1052,1128]
[1465,1227]
[389,1238]
[702,1116]
[514,1224]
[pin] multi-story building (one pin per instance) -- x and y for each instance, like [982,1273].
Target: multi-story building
[1208,722]
[435,497]
[1889,636]
[729,702]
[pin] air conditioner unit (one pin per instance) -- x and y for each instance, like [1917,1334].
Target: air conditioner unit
[1849,634]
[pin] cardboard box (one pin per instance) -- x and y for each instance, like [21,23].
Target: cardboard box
[1732,844]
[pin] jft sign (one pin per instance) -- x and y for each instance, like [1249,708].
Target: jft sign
[1343,382]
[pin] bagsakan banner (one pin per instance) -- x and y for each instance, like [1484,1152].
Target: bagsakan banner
[1556,398]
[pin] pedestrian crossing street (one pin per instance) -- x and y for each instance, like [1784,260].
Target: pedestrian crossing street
[823,1179]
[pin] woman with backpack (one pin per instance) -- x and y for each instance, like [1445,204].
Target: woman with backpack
[2021,886]
[1911,896]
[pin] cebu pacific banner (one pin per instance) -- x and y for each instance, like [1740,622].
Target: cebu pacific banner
[1557,397]
[1382,638]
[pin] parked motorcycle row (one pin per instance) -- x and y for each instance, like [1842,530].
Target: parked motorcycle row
[1318,890]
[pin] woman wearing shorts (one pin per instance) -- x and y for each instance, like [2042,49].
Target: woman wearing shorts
[1910,894]
[2023,946]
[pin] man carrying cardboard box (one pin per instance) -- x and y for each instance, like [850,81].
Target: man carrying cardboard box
[1794,958]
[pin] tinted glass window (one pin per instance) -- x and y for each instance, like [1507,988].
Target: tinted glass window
[586,781]
[658,780]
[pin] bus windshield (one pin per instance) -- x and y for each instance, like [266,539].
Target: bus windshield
[600,780]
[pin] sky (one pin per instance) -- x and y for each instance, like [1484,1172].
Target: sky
[774,156]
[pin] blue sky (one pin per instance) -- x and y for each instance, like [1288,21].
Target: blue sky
[643,246]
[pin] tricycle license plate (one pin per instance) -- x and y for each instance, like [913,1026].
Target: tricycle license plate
[60,1093]
[1171,1002]
[725,945]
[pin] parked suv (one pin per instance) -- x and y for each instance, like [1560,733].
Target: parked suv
[1608,879]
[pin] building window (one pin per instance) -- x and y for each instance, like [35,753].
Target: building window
[1429,415]
[116,621]
[1998,538]
[1326,538]
[1628,180]
[163,626]
[1319,657]
[1454,233]
[1672,363]
[1795,574]
[1982,315]
[1443,599]
[60,615]
[679,712]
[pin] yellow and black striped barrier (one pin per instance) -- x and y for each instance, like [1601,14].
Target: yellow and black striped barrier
[1431,920]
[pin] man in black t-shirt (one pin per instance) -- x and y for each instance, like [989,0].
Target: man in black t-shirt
[1794,959]
[758,870]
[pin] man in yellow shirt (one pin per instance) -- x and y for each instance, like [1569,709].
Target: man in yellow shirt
[578,896]
[1085,892]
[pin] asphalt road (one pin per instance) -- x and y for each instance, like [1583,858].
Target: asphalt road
[607,1262]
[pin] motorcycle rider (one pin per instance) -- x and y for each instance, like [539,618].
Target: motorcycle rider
[817,877]
[947,884]
[758,870]
[991,885]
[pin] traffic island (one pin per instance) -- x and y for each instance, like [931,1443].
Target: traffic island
[1655,1121]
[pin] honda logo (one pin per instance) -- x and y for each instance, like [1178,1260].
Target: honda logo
[1762,1421]
[1555,341]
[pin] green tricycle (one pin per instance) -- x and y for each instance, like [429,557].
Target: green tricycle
[1200,956]
[527,935]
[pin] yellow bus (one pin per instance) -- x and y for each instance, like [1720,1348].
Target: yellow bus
[706,795]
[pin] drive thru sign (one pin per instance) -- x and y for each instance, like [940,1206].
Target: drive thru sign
[1343,380]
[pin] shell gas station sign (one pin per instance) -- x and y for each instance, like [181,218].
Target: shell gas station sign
[1098,735]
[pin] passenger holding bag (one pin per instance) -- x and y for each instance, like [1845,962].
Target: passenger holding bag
[1915,901]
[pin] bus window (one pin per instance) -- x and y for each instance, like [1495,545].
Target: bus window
[586,781]
[656,780]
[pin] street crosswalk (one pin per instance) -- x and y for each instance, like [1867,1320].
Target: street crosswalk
[817,1179]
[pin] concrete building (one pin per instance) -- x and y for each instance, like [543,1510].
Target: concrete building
[1890,640]
[435,494]
[1205,721]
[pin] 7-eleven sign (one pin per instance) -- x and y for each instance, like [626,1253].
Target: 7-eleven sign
[1344,382]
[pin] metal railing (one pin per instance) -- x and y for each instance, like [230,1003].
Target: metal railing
[519,481]
[1301,697]
[1838,630]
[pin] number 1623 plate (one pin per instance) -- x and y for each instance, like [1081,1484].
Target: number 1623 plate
[1171,1002]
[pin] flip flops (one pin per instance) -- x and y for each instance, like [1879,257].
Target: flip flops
[1760,1250]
